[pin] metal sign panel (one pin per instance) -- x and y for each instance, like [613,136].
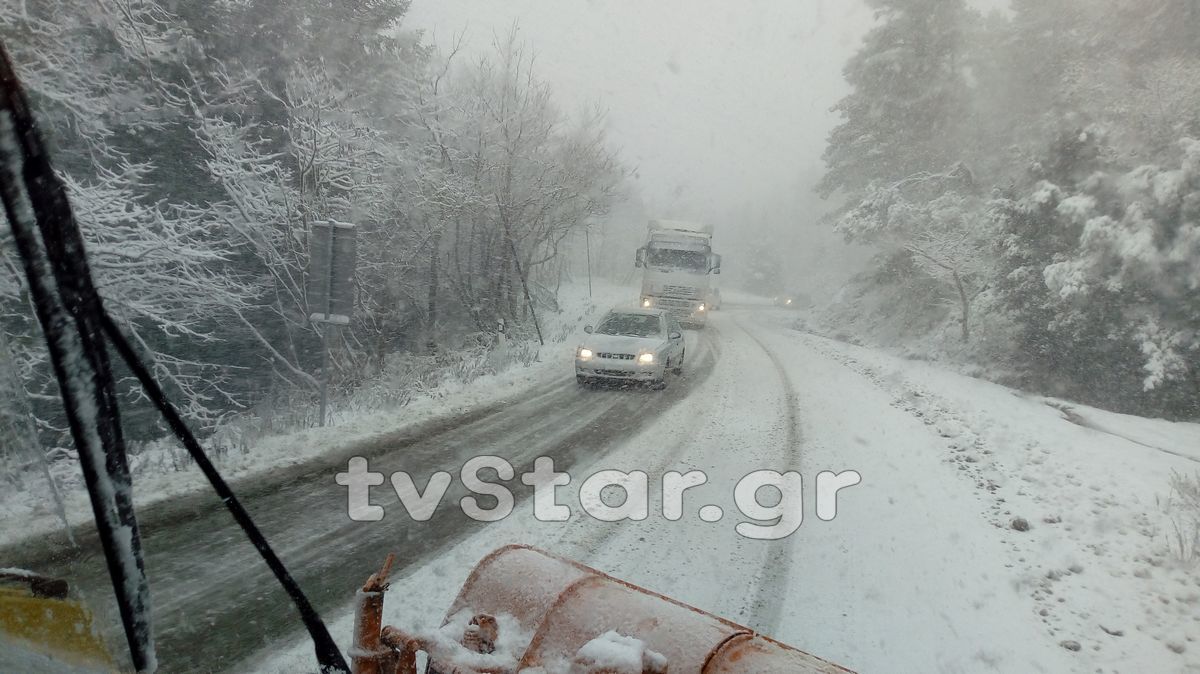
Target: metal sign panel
[333,251]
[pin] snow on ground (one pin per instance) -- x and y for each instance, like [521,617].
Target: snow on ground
[164,472]
[1095,567]
[741,297]
[922,570]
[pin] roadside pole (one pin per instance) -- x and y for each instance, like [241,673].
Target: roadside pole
[324,373]
[333,252]
[587,238]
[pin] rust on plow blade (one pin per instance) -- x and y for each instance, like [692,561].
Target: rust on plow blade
[525,610]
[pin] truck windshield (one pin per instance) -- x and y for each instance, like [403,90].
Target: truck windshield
[690,260]
[630,325]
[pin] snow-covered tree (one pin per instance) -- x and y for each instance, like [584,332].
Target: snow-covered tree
[937,221]
[909,96]
[93,71]
[515,179]
[1054,106]
[1140,236]
[1097,267]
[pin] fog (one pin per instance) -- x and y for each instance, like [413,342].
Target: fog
[720,106]
[722,110]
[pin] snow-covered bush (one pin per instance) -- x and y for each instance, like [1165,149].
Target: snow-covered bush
[1142,240]
[1102,276]
[1182,508]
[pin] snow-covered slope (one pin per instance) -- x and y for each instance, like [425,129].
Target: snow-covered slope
[1077,496]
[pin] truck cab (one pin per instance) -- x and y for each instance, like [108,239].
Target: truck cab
[678,265]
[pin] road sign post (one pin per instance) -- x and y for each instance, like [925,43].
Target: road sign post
[587,238]
[333,252]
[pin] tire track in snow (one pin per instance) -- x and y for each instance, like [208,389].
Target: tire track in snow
[767,607]
[46,550]
[592,545]
[210,585]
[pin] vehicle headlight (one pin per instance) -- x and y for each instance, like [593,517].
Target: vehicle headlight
[646,303]
[646,359]
[585,354]
[701,307]
[789,302]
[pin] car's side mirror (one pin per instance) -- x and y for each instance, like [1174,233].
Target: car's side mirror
[588,329]
[676,335]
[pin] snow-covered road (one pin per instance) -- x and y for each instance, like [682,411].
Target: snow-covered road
[209,585]
[920,570]
[901,580]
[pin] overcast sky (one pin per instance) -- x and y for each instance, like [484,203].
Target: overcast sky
[720,105]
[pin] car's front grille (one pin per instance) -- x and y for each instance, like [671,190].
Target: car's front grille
[681,291]
[617,356]
[613,373]
[670,303]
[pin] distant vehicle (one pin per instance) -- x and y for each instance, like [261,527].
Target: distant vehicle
[793,301]
[632,346]
[714,299]
[679,264]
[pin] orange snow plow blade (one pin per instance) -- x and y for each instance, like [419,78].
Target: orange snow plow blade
[525,610]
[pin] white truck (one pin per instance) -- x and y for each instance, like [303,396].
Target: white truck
[678,265]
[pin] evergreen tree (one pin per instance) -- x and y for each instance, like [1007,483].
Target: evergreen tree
[909,96]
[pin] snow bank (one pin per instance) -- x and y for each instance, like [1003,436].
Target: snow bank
[1076,496]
